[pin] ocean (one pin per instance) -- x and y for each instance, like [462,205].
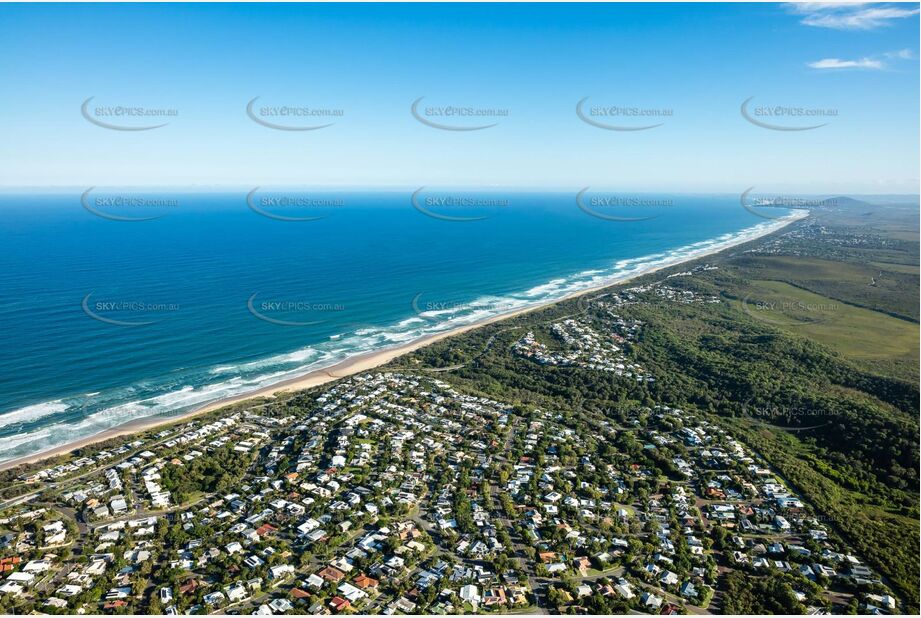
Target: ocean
[121,305]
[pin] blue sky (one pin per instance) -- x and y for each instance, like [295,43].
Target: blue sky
[535,61]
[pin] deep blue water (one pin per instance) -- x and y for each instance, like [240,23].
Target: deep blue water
[104,320]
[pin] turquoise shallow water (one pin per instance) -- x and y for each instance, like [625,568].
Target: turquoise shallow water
[204,296]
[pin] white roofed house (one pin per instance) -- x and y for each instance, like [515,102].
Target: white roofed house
[624,589]
[37,566]
[668,578]
[296,509]
[118,505]
[11,588]
[886,601]
[236,592]
[214,598]
[69,590]
[55,533]
[280,571]
[308,526]
[650,600]
[21,577]
[350,592]
[314,581]
[280,605]
[470,593]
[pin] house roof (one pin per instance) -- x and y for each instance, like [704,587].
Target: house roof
[331,574]
[363,581]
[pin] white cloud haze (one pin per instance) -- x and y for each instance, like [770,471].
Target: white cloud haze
[851,16]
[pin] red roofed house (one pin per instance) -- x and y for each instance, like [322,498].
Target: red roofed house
[364,582]
[339,604]
[332,574]
[297,593]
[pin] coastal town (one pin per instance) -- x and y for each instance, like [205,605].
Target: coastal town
[469,307]
[579,344]
[396,492]
[582,346]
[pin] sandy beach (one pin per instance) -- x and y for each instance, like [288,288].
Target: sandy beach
[371,360]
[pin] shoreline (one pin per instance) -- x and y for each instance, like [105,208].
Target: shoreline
[368,360]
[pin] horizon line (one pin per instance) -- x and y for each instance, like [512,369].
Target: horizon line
[216,188]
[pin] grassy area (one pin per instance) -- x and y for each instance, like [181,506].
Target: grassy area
[856,333]
[892,291]
[909,269]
